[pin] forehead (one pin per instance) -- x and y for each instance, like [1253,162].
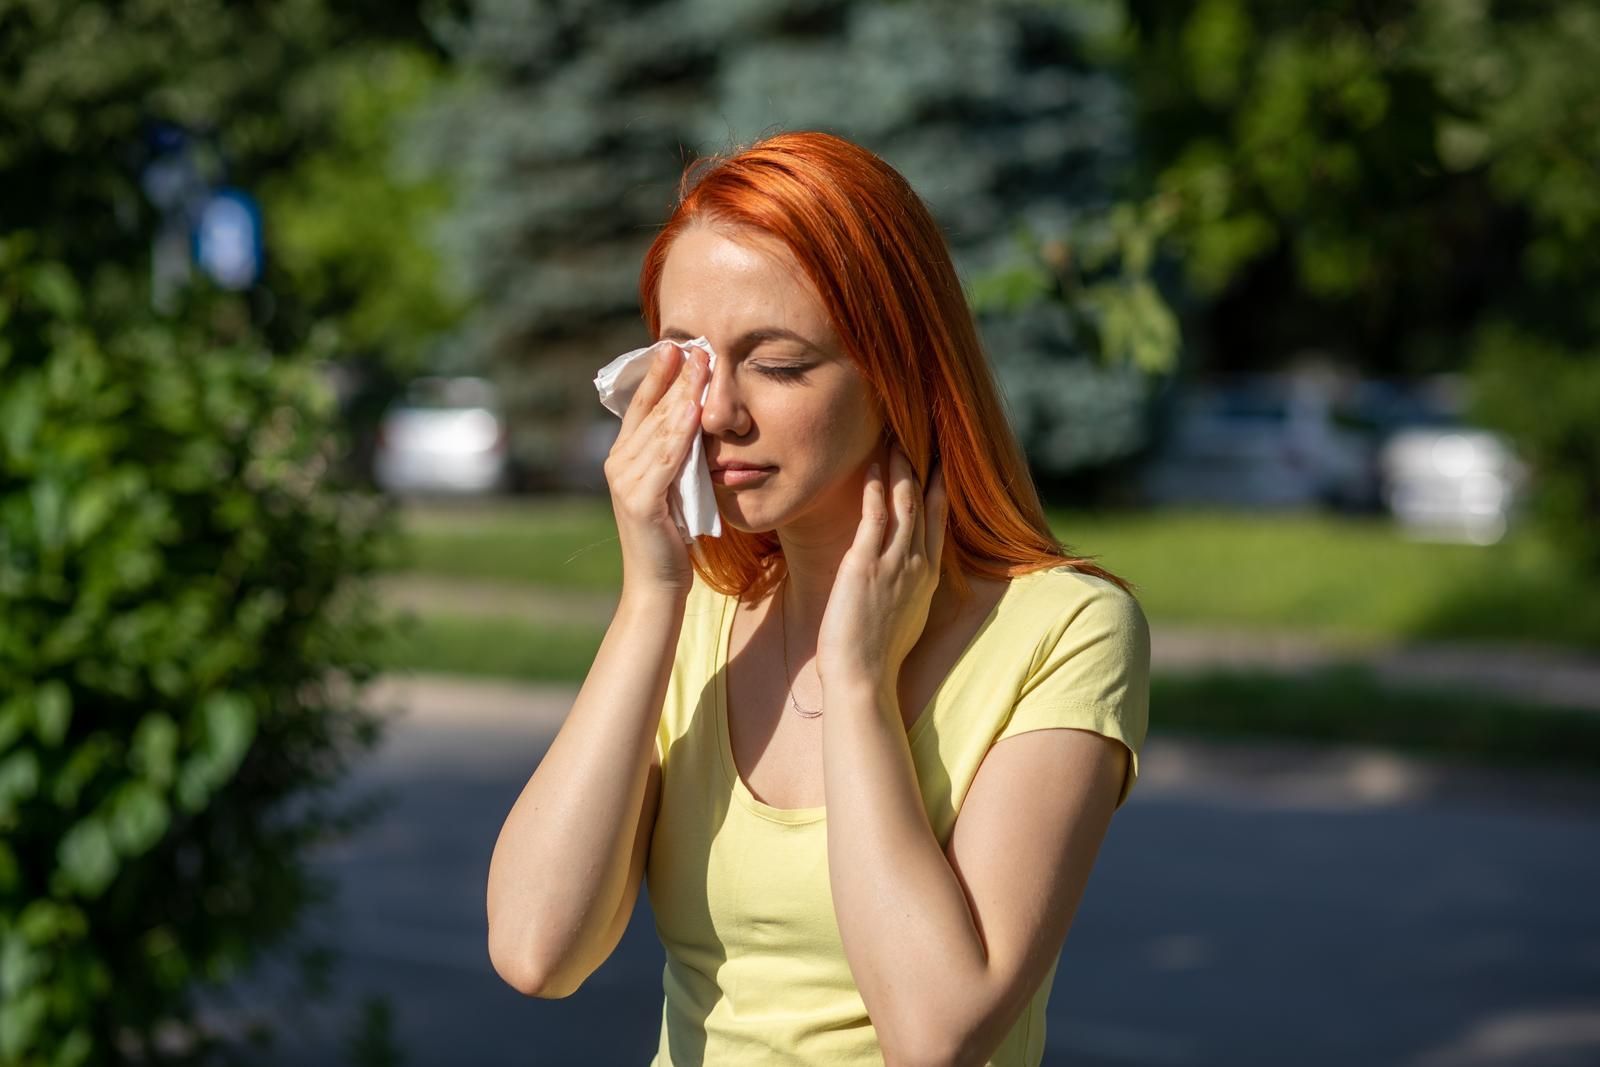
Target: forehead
[714,280]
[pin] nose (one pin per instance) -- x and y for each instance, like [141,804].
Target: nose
[723,412]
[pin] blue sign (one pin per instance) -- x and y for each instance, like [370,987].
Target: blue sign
[227,239]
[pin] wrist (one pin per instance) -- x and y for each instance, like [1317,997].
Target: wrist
[857,685]
[652,602]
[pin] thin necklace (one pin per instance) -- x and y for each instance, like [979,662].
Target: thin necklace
[783,629]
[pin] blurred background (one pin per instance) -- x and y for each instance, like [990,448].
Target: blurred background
[305,546]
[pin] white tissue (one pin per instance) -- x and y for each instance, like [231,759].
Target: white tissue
[690,499]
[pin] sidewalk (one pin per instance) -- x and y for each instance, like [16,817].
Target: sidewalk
[444,720]
[1533,674]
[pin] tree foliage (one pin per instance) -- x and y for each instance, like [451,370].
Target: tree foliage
[571,131]
[352,217]
[1415,187]
[184,632]
[170,658]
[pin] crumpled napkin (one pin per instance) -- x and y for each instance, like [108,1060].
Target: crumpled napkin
[690,499]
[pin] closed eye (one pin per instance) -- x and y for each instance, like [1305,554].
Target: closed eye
[783,374]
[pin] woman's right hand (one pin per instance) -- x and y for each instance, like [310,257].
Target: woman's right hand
[657,432]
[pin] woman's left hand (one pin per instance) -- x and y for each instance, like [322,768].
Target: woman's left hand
[886,581]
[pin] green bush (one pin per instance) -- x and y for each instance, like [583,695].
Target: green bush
[1546,397]
[177,674]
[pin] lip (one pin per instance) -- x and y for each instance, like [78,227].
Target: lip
[736,476]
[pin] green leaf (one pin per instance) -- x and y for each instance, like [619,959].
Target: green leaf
[193,787]
[87,858]
[85,762]
[153,752]
[52,285]
[230,724]
[19,781]
[1155,346]
[21,414]
[49,512]
[20,1022]
[139,816]
[52,713]
[90,509]
[45,921]
[74,1050]
[20,963]
[1009,288]
[14,716]
[1461,145]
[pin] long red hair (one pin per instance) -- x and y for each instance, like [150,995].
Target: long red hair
[880,264]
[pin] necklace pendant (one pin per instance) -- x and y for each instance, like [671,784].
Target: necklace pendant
[802,712]
[784,638]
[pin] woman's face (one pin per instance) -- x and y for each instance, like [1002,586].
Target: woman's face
[783,395]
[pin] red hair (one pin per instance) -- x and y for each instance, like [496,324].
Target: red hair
[881,267]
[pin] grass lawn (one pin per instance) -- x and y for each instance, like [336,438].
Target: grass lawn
[1353,578]
[1344,704]
[492,647]
[567,543]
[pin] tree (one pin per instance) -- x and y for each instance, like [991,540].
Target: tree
[1412,186]
[570,132]
[185,632]
[353,232]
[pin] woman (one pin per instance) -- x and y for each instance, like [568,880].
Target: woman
[866,744]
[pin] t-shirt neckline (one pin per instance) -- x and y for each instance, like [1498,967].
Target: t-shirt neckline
[801,816]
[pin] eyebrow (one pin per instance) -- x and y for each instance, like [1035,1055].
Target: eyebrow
[764,333]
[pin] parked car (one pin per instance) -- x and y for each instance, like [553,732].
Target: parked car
[1264,442]
[444,435]
[1440,477]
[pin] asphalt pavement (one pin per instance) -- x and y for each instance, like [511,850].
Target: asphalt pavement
[1252,904]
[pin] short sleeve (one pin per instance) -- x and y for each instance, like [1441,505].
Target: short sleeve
[1091,672]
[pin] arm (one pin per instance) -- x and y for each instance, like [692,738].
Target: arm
[567,864]
[566,868]
[947,946]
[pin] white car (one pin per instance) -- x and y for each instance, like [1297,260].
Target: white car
[1442,478]
[1451,483]
[445,435]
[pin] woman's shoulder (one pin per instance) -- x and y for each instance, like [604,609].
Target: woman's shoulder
[1066,592]
[1062,612]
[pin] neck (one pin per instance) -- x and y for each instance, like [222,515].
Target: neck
[812,554]
[812,557]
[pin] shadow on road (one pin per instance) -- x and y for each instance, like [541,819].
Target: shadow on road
[1254,904]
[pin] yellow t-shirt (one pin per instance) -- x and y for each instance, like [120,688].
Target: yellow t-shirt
[756,972]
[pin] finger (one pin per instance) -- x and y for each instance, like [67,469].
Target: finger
[907,501]
[664,366]
[664,441]
[874,515]
[672,415]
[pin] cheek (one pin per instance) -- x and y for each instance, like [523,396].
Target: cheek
[822,435]
[847,434]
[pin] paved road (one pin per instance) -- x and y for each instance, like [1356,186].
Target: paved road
[1252,905]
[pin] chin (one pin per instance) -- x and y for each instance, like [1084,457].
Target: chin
[743,522]
[746,515]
